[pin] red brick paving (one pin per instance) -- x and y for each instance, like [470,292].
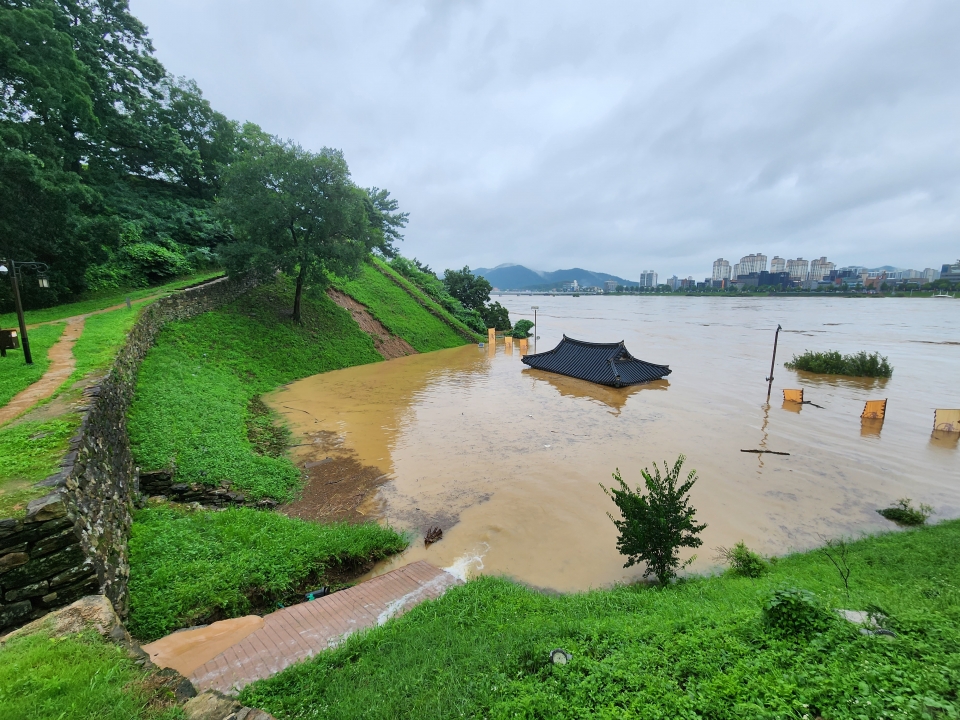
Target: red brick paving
[299,631]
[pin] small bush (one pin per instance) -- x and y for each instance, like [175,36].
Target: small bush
[522,329]
[656,525]
[903,513]
[743,561]
[833,363]
[794,611]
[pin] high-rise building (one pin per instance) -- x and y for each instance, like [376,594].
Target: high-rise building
[931,274]
[648,278]
[610,285]
[820,268]
[752,264]
[778,264]
[674,282]
[737,271]
[950,271]
[721,269]
[798,268]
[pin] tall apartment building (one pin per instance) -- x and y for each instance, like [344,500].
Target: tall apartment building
[648,278]
[798,268]
[931,274]
[721,269]
[778,264]
[752,264]
[820,268]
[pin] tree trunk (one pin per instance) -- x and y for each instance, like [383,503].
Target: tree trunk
[299,293]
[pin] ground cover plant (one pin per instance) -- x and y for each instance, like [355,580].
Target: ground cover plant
[102,337]
[192,567]
[15,374]
[29,452]
[860,364]
[103,300]
[699,648]
[81,677]
[398,311]
[192,410]
[904,513]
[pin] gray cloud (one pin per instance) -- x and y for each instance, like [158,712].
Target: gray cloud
[616,135]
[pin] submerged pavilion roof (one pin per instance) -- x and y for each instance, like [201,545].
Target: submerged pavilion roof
[601,363]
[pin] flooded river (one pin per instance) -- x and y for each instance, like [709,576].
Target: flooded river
[508,460]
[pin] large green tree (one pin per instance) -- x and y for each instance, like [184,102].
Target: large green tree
[471,290]
[300,213]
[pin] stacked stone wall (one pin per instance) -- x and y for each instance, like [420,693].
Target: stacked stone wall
[73,542]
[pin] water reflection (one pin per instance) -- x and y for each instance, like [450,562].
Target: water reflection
[871,427]
[944,439]
[612,397]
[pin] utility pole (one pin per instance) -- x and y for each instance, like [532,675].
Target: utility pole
[773,362]
[25,343]
[535,308]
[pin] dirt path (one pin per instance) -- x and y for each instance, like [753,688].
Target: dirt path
[62,364]
[84,316]
[387,344]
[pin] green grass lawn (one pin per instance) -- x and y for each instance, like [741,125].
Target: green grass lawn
[192,404]
[103,336]
[29,452]
[104,300]
[697,649]
[80,677]
[189,568]
[15,374]
[399,312]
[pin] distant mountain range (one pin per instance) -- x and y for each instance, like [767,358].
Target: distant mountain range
[517,277]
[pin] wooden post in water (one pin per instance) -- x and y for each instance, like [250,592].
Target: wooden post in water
[773,362]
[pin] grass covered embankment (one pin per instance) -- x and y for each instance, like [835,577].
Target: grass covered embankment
[399,312]
[860,364]
[697,649]
[194,567]
[192,408]
[81,677]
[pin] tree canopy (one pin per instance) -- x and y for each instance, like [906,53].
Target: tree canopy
[300,213]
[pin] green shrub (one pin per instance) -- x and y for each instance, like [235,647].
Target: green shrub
[192,567]
[522,328]
[903,513]
[656,525]
[80,677]
[743,561]
[794,611]
[833,363]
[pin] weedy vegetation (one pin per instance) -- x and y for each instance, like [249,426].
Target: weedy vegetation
[742,560]
[903,513]
[832,362]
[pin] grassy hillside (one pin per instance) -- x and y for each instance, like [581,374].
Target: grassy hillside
[192,404]
[697,649]
[400,313]
[189,568]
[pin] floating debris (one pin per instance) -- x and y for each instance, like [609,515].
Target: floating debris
[768,452]
[433,535]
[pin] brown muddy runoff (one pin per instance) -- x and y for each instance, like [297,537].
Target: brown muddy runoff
[508,460]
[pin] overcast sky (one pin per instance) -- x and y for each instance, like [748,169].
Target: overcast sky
[611,136]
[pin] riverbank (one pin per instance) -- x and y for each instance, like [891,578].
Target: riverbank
[699,648]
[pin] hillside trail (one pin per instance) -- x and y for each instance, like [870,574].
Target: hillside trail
[62,361]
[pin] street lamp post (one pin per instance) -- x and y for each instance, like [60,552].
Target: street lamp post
[12,271]
[535,308]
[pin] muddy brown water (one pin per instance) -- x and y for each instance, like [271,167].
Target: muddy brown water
[508,460]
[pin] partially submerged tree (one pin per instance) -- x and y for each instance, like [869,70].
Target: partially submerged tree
[654,526]
[300,213]
[471,290]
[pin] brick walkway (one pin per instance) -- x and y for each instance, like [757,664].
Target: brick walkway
[299,631]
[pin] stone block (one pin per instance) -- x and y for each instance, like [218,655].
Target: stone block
[22,547]
[13,614]
[13,560]
[71,593]
[29,591]
[92,612]
[42,568]
[71,575]
[8,526]
[49,507]
[55,542]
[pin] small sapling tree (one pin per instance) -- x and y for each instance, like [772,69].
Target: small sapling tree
[655,525]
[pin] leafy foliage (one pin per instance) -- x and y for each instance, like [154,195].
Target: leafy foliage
[192,567]
[833,363]
[425,279]
[743,561]
[496,316]
[693,649]
[82,677]
[522,328]
[473,291]
[191,405]
[656,525]
[903,513]
[794,611]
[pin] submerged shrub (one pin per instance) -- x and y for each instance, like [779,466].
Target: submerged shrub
[742,560]
[522,328]
[903,513]
[832,362]
[794,611]
[656,525]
